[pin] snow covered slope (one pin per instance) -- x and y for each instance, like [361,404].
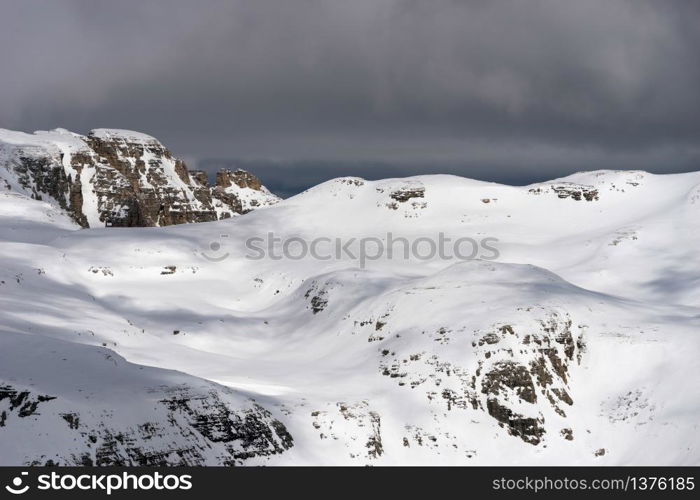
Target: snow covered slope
[120,178]
[580,336]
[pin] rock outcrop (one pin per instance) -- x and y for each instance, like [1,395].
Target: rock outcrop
[121,178]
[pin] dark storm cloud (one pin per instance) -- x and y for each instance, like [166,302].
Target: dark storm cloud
[482,86]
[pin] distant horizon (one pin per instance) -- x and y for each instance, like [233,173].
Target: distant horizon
[511,92]
[286,179]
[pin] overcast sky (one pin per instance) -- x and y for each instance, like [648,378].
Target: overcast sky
[508,90]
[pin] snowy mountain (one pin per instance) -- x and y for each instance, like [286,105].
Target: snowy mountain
[576,342]
[121,178]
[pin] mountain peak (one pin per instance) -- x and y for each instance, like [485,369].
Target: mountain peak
[115,177]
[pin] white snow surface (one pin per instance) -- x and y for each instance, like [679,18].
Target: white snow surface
[345,355]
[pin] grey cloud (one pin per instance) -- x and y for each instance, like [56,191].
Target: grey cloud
[539,86]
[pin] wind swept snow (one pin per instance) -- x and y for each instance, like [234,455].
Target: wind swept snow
[579,337]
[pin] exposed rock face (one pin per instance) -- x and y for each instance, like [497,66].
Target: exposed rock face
[195,423]
[159,418]
[355,424]
[199,177]
[22,403]
[514,374]
[122,178]
[405,194]
[570,190]
[226,178]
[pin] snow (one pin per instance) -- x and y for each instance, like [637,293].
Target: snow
[392,340]
[253,199]
[72,152]
[58,136]
[127,135]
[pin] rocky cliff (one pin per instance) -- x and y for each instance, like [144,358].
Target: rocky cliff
[121,178]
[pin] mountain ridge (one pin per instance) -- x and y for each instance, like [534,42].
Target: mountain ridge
[117,177]
[578,338]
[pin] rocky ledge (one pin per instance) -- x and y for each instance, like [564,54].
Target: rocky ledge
[121,178]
